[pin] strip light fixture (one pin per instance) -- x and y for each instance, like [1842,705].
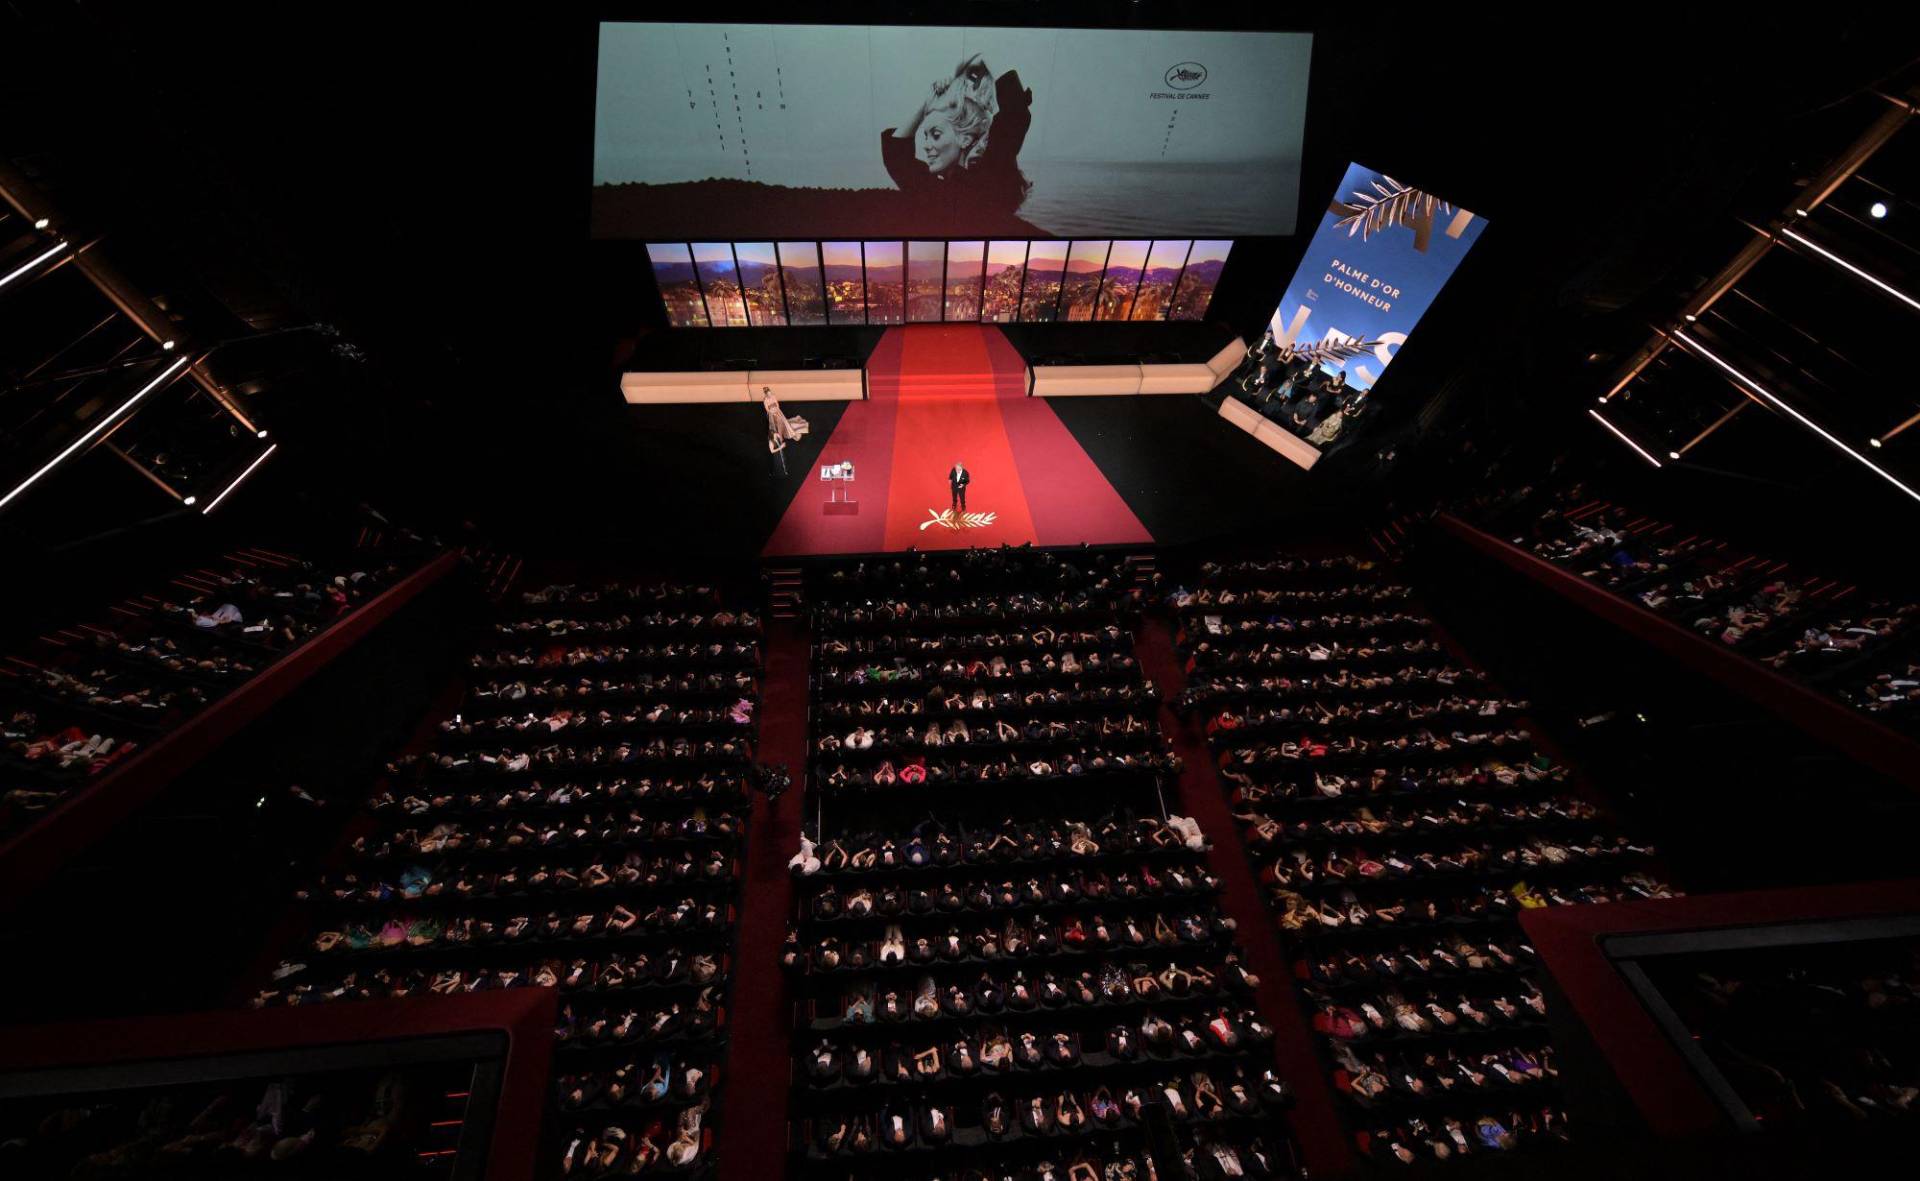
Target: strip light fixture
[24,267]
[1835,259]
[1622,436]
[237,479]
[97,427]
[1798,417]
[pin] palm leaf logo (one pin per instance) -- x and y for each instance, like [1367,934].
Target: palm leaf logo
[952,520]
[1330,351]
[1389,204]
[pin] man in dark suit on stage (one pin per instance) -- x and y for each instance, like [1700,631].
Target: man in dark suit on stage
[958,479]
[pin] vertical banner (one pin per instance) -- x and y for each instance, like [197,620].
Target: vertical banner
[1381,255]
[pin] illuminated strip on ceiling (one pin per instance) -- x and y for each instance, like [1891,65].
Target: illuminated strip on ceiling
[1831,257]
[236,480]
[97,427]
[1802,419]
[24,267]
[1622,436]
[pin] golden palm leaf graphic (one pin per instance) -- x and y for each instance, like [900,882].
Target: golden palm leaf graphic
[1336,350]
[1390,204]
[952,520]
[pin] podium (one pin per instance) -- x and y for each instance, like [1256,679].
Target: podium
[838,477]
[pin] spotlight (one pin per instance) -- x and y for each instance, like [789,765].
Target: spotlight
[1799,213]
[44,222]
[1691,318]
[1873,443]
[1673,455]
[260,434]
[190,501]
[167,345]
[1603,399]
[1878,209]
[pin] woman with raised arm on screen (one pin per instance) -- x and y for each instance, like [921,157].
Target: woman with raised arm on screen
[964,142]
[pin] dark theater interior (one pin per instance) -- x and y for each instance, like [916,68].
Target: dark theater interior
[969,591]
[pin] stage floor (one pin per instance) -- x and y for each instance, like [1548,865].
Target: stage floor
[941,393]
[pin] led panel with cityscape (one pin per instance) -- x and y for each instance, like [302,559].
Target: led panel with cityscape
[893,281]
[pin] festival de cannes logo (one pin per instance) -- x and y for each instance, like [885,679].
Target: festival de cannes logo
[1186,75]
[949,519]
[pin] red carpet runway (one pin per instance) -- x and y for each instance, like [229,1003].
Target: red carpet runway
[940,393]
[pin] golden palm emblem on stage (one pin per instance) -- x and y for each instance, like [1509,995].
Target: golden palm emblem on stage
[953,520]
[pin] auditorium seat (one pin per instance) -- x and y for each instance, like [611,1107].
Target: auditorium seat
[1002,944]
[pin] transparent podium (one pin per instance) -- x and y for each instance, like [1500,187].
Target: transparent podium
[838,477]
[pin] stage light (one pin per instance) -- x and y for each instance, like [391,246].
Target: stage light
[1830,256]
[1799,213]
[1691,318]
[166,346]
[1673,455]
[1878,209]
[237,479]
[260,434]
[190,501]
[1874,443]
[1621,435]
[42,223]
[1802,419]
[1603,399]
[31,263]
[97,427]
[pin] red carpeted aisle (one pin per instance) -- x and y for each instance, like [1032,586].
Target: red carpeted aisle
[1316,1125]
[941,393]
[758,1062]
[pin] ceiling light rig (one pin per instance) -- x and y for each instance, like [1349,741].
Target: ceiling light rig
[237,480]
[1798,417]
[1622,436]
[1836,260]
[105,421]
[31,263]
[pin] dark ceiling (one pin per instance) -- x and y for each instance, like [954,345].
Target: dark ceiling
[416,174]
